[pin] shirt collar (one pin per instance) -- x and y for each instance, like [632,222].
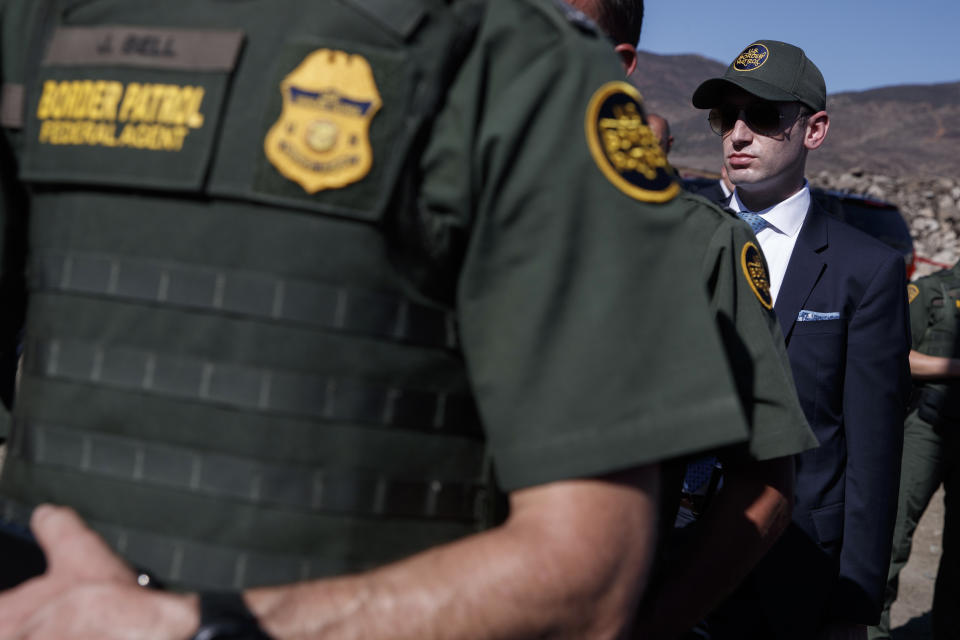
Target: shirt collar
[786,217]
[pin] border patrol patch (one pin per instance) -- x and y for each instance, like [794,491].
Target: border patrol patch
[912,292]
[322,137]
[756,273]
[624,147]
[752,58]
[117,115]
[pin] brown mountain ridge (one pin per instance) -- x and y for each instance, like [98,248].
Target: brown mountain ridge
[903,131]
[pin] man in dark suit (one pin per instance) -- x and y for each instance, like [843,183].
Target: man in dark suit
[839,297]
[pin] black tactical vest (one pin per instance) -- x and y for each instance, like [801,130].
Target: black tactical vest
[241,361]
[939,403]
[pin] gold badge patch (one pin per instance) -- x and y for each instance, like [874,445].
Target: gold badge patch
[322,138]
[756,273]
[625,148]
[912,292]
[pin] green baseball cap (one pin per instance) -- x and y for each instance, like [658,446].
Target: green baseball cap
[770,70]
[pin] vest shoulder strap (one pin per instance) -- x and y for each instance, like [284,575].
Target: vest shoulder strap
[402,18]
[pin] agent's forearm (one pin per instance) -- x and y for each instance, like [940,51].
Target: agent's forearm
[571,562]
[925,367]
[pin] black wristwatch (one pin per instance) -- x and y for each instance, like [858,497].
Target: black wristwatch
[225,616]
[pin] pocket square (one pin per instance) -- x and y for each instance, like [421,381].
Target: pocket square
[815,316]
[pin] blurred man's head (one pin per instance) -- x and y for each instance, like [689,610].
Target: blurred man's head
[770,110]
[621,20]
[661,128]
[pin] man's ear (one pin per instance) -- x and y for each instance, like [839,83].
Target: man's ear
[816,132]
[628,56]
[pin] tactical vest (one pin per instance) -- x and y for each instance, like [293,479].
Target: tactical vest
[939,403]
[241,362]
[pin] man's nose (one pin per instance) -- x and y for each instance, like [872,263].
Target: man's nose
[740,130]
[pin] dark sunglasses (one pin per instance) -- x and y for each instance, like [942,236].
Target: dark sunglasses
[764,118]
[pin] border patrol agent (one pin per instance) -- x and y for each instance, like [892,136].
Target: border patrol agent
[308,286]
[930,442]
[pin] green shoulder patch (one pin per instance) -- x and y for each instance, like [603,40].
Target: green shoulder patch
[624,147]
[754,269]
[912,292]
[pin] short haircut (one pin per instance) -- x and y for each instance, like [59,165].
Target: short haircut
[622,20]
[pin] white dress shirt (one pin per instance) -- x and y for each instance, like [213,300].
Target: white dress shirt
[726,191]
[778,238]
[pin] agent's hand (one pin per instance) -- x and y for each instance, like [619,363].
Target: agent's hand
[88,592]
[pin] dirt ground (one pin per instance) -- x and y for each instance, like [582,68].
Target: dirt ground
[910,614]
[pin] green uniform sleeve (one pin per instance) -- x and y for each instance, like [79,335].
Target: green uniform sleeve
[921,295]
[583,320]
[750,333]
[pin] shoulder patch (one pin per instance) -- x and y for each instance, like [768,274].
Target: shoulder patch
[624,147]
[912,292]
[754,269]
[576,17]
[322,137]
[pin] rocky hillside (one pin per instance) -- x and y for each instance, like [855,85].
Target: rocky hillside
[898,144]
[931,207]
[903,131]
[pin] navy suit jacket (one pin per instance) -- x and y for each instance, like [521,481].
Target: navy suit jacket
[712,192]
[853,379]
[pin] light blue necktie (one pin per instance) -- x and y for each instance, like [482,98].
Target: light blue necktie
[755,221]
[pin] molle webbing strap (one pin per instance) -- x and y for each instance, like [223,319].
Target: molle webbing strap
[201,565]
[249,388]
[244,293]
[362,493]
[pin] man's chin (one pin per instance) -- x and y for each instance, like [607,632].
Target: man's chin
[742,176]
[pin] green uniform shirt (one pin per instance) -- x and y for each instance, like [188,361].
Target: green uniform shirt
[934,320]
[933,301]
[239,355]
[584,334]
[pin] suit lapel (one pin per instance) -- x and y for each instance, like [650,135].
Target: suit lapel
[806,265]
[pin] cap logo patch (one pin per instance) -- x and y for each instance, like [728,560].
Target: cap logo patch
[912,292]
[624,147]
[322,137]
[751,260]
[752,58]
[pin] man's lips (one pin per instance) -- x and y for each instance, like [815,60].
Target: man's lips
[739,159]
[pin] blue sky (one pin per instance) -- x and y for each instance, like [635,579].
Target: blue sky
[856,44]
